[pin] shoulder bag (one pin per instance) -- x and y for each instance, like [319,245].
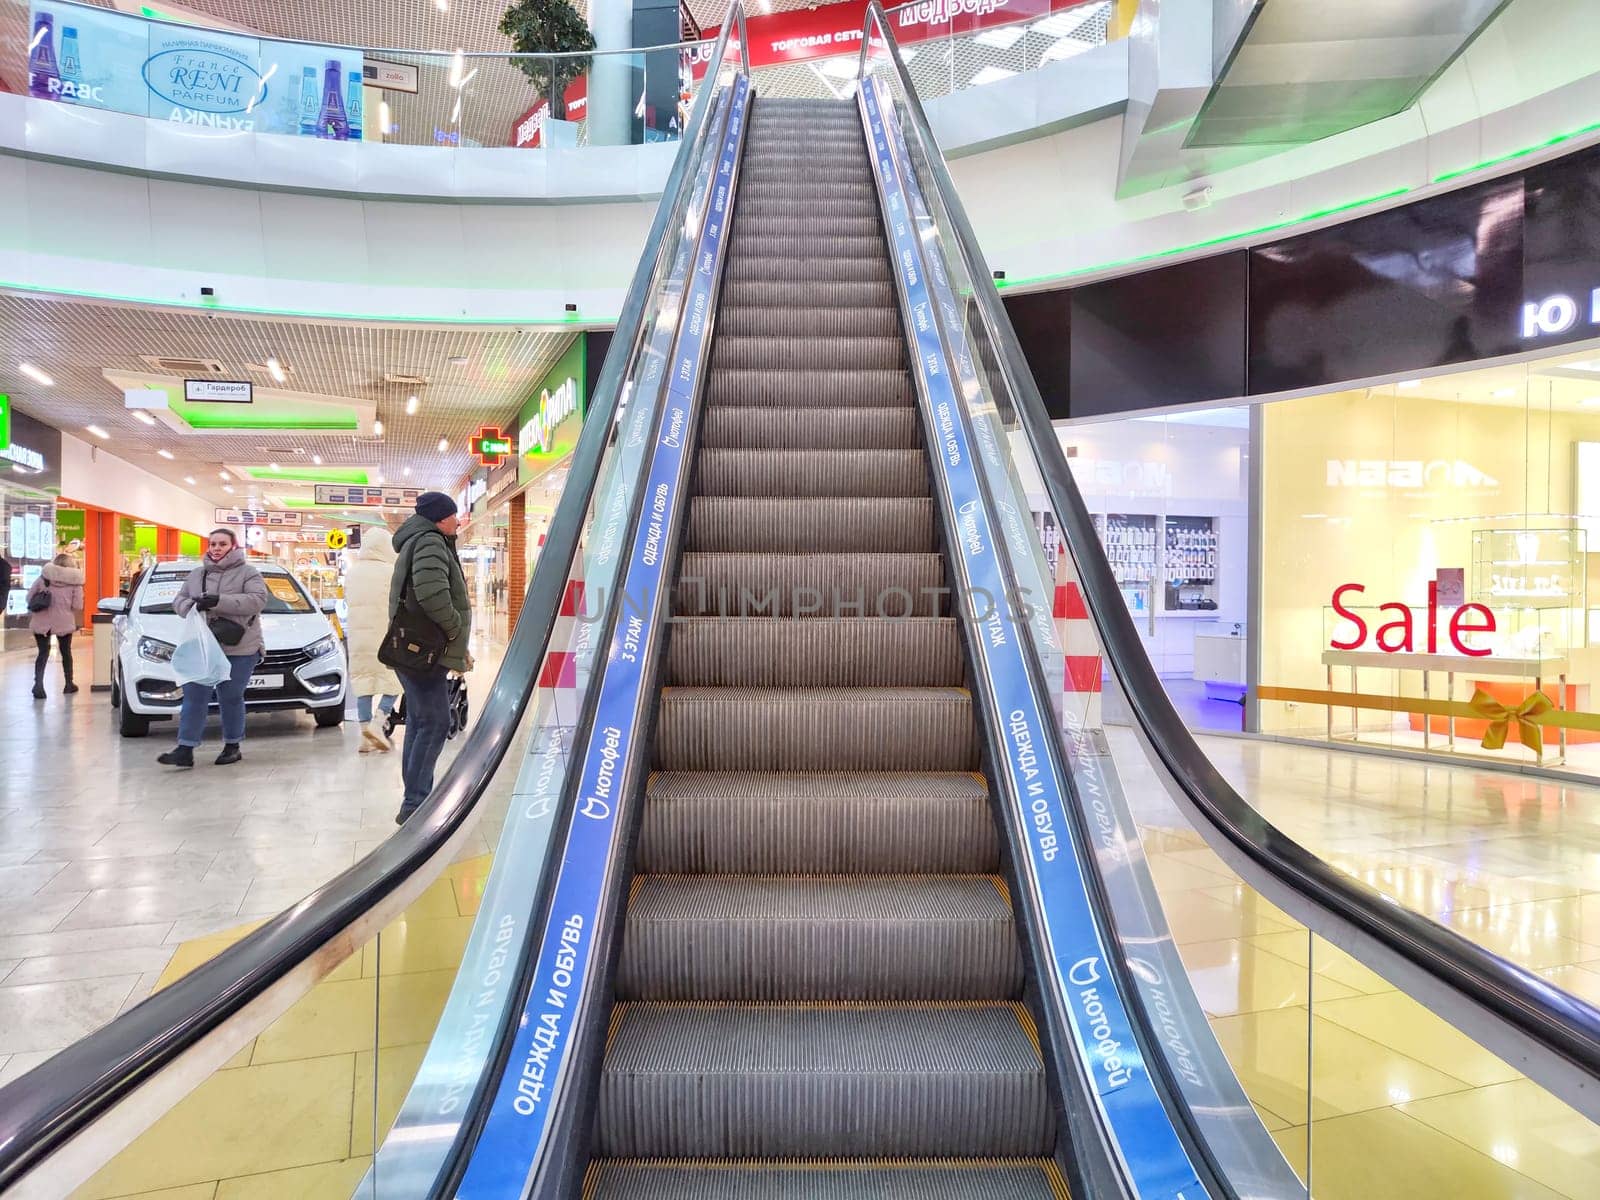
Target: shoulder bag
[225,629]
[40,600]
[413,642]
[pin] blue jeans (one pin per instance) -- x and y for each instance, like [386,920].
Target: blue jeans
[364,707]
[230,699]
[427,724]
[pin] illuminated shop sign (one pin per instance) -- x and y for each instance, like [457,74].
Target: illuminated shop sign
[1399,635]
[23,456]
[1558,314]
[554,407]
[1406,474]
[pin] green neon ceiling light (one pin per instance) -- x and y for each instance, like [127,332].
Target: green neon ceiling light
[1515,154]
[308,474]
[198,418]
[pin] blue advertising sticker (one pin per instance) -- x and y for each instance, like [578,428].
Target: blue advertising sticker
[1156,1159]
[513,1135]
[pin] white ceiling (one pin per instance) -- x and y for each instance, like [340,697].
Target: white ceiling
[75,341]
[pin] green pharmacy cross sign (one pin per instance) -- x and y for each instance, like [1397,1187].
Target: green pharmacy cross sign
[491,446]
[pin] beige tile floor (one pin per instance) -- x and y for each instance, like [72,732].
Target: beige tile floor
[109,862]
[1396,1104]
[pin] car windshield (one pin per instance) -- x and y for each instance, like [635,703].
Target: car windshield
[284,593]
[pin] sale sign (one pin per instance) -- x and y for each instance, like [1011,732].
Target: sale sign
[1399,635]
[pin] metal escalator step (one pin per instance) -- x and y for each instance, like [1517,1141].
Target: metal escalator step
[811,473]
[835,822]
[826,267]
[812,524]
[778,294]
[825,1179]
[847,1081]
[731,427]
[816,729]
[731,352]
[859,204]
[822,585]
[780,652]
[808,320]
[810,389]
[777,245]
[771,162]
[775,937]
[760,191]
[817,225]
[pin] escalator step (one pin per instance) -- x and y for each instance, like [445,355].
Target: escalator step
[837,822]
[763,293]
[801,353]
[743,937]
[730,427]
[817,585]
[816,729]
[811,473]
[825,1179]
[759,192]
[696,1079]
[819,389]
[792,246]
[806,525]
[810,320]
[848,652]
[824,263]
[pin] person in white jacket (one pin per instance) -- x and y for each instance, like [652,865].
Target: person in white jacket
[366,596]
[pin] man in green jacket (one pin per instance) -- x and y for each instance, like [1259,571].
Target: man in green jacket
[426,560]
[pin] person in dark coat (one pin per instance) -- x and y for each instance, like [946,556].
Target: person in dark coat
[427,566]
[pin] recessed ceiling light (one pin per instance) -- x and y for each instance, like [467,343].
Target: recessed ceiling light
[316,460]
[378,479]
[33,373]
[444,444]
[224,476]
[97,431]
[227,489]
[411,406]
[459,360]
[1405,385]
[191,481]
[166,454]
[377,427]
[143,417]
[276,367]
[275,466]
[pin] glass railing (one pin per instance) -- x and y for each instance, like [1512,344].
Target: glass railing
[1417,1065]
[215,80]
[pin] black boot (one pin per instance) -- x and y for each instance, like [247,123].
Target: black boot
[230,754]
[38,686]
[178,756]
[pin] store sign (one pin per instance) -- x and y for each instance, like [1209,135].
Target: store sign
[1399,635]
[536,434]
[391,77]
[23,456]
[97,58]
[1558,314]
[475,489]
[217,391]
[490,446]
[528,130]
[346,496]
[259,516]
[1406,474]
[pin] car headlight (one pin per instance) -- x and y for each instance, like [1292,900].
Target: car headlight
[155,650]
[322,646]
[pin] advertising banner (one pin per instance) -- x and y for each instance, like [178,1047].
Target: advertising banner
[544,428]
[528,130]
[193,76]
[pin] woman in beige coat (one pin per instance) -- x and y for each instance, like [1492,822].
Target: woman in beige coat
[366,597]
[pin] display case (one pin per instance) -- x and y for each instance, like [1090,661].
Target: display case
[1189,565]
[1130,544]
[1535,581]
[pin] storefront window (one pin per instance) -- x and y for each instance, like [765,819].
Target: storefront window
[1429,564]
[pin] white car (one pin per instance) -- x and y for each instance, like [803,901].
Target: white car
[303,665]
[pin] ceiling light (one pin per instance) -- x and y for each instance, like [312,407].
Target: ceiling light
[97,431]
[274,366]
[459,360]
[407,471]
[444,444]
[143,417]
[227,489]
[458,66]
[1405,385]
[411,406]
[377,427]
[442,5]
[224,476]
[33,373]
[316,460]
[166,454]
[274,466]
[191,481]
[378,479]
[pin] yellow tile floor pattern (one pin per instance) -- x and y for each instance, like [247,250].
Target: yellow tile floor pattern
[1401,1105]
[291,1115]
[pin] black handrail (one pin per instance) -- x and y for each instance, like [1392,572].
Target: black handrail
[56,1101]
[1526,1005]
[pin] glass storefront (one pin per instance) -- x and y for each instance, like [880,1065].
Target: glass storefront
[30,480]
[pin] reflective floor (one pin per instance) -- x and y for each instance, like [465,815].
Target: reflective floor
[1397,1103]
[109,861]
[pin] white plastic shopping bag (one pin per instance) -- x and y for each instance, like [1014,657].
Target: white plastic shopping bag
[199,657]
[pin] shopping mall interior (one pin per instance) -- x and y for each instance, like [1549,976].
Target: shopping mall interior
[653,601]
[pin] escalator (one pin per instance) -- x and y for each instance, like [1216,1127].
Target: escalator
[820,963]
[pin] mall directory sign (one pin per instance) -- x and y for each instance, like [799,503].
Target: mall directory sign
[96,58]
[354,496]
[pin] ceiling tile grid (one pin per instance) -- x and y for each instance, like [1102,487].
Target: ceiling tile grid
[74,342]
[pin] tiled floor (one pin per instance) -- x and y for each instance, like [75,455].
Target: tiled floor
[1399,1104]
[110,861]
